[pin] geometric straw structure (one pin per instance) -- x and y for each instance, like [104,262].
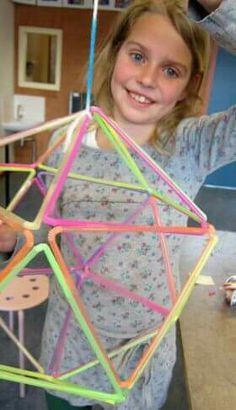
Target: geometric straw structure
[159,195]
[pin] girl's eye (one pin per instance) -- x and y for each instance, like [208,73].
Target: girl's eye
[137,57]
[171,72]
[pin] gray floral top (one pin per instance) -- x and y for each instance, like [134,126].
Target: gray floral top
[135,259]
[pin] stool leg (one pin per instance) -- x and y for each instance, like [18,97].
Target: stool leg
[11,321]
[21,339]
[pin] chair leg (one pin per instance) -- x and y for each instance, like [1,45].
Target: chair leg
[21,339]
[11,321]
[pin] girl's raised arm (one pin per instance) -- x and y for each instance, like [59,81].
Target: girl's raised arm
[221,24]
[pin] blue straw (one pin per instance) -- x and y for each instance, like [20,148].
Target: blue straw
[91,55]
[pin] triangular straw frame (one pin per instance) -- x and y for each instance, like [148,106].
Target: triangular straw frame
[46,213]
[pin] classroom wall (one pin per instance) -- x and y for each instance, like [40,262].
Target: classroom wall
[6,57]
[6,63]
[75,24]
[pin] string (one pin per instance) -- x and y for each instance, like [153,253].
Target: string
[91,54]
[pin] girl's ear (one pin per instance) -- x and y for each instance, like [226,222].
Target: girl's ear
[194,85]
[196,82]
[197,78]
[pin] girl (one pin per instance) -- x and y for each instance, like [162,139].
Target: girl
[157,60]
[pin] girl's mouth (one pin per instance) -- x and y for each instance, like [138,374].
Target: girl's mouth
[139,98]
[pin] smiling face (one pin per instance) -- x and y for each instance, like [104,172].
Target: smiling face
[152,70]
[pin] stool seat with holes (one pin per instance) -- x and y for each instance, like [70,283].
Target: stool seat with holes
[24,292]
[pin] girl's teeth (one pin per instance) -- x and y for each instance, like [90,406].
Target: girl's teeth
[140,98]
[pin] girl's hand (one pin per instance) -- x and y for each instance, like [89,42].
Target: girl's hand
[7,238]
[210,5]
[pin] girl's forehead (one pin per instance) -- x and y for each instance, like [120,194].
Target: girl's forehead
[157,33]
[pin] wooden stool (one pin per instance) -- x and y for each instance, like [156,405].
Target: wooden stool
[24,292]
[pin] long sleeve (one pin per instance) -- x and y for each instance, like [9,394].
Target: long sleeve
[209,141]
[221,25]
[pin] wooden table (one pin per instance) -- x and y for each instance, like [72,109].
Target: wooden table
[208,329]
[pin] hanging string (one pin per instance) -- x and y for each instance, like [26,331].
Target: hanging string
[91,54]
[93,33]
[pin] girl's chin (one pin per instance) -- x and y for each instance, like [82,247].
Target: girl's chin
[132,117]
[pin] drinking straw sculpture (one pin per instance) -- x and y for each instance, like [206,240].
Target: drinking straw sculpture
[50,183]
[156,195]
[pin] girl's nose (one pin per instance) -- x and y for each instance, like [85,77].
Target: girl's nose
[148,76]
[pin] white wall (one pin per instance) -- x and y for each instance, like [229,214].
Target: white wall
[6,58]
[7,63]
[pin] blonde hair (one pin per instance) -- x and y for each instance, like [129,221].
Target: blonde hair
[196,40]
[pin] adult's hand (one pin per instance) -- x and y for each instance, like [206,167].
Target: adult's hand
[7,238]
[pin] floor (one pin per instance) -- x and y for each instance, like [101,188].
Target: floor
[219,205]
